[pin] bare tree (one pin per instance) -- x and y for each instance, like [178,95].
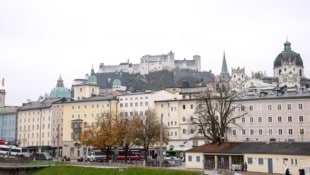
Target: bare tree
[214,113]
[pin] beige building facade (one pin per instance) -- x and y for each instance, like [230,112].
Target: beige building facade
[79,114]
[39,125]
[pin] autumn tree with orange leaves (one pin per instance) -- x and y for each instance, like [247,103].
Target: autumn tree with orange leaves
[102,134]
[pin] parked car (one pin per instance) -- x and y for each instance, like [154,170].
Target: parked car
[43,156]
[95,156]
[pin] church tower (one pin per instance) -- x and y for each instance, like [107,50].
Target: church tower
[288,67]
[224,76]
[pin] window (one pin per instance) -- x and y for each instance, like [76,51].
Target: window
[197,158]
[252,132]
[184,131]
[270,131]
[146,103]
[301,131]
[192,106]
[242,108]
[290,131]
[289,106]
[189,158]
[300,106]
[243,120]
[289,118]
[261,161]
[243,131]
[184,119]
[260,132]
[250,160]
[280,132]
[259,119]
[269,107]
[279,106]
[269,119]
[251,119]
[251,108]
[279,119]
[184,106]
[234,132]
[161,105]
[301,118]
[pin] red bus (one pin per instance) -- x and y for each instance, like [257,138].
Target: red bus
[132,154]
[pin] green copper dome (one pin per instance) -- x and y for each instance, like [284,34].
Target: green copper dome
[60,91]
[117,82]
[92,78]
[288,55]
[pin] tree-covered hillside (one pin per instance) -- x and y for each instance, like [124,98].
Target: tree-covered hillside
[154,81]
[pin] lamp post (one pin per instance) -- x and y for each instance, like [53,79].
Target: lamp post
[161,141]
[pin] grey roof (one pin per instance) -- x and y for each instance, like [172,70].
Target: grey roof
[287,148]
[46,103]
[90,99]
[280,93]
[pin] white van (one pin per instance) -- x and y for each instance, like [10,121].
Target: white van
[96,156]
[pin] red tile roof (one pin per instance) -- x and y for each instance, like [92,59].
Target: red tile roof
[212,147]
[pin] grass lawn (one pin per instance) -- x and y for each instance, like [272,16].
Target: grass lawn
[75,170]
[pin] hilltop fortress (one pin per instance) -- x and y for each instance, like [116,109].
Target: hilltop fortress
[153,63]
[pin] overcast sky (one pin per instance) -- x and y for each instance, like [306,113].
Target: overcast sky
[39,40]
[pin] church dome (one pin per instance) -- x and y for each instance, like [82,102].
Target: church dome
[116,82]
[60,91]
[288,56]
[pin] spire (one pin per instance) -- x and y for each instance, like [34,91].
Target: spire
[224,65]
[92,72]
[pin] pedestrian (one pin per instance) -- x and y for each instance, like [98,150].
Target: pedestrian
[287,171]
[245,166]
